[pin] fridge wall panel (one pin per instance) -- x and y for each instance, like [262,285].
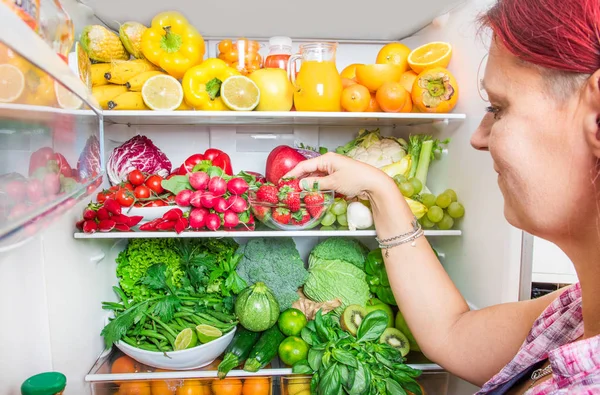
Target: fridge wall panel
[551,264]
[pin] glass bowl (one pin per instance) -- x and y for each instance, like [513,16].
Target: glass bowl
[276,215]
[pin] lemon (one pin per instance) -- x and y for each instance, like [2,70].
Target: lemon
[162,93]
[66,99]
[240,93]
[12,83]
[186,339]
[434,54]
[207,333]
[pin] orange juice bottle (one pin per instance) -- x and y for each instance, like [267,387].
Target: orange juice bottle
[318,85]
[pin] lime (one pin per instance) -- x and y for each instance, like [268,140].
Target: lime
[186,339]
[292,350]
[162,92]
[240,93]
[207,333]
[291,322]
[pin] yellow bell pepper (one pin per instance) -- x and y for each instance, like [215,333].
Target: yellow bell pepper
[202,84]
[173,44]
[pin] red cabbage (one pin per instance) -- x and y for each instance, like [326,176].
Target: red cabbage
[137,153]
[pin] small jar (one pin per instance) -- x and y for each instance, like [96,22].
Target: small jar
[280,51]
[48,383]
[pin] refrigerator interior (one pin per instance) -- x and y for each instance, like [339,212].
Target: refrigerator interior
[53,285]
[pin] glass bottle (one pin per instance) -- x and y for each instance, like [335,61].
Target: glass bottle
[280,51]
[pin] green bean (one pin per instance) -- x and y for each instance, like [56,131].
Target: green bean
[153,335]
[182,314]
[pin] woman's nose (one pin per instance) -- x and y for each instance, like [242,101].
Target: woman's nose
[480,138]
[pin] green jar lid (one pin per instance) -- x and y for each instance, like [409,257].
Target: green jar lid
[49,383]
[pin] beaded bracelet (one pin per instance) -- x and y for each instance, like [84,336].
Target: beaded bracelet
[408,237]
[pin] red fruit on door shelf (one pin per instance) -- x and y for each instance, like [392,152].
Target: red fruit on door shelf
[268,194]
[290,198]
[281,215]
[196,199]
[220,205]
[198,217]
[213,222]
[237,186]
[230,219]
[199,180]
[280,161]
[217,186]
[237,204]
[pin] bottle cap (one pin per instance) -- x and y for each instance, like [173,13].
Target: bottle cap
[48,383]
[280,41]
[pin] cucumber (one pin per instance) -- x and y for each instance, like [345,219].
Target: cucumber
[264,350]
[238,350]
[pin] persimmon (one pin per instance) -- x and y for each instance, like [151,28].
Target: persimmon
[391,97]
[435,91]
[356,98]
[124,364]
[227,387]
[256,386]
[134,388]
[373,105]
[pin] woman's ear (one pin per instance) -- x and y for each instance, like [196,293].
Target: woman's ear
[591,102]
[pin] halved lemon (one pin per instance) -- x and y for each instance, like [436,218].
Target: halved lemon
[162,93]
[434,54]
[240,93]
[12,83]
[66,99]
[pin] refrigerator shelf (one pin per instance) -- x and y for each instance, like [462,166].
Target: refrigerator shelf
[223,118]
[249,234]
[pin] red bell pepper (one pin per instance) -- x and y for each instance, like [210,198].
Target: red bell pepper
[189,164]
[219,159]
[43,156]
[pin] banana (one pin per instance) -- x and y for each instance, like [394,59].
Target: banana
[106,93]
[122,71]
[128,101]
[97,71]
[135,84]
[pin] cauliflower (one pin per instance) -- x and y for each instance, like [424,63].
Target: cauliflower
[369,147]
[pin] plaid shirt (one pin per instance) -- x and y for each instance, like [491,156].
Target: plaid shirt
[575,366]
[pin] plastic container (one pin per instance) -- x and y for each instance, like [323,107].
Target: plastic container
[56,27]
[268,213]
[280,51]
[242,54]
[48,383]
[27,10]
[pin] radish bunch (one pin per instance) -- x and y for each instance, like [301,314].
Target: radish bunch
[218,202]
[106,217]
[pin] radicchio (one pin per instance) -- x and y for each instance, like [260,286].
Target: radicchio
[139,153]
[88,164]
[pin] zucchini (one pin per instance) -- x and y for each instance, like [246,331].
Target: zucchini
[264,350]
[238,350]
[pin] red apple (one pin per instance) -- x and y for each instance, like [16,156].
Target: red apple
[280,161]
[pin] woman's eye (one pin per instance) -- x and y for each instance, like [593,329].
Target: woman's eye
[494,110]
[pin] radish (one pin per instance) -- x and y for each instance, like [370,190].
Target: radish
[207,200]
[213,222]
[217,186]
[196,199]
[220,205]
[106,225]
[237,204]
[199,180]
[237,186]
[230,219]
[183,198]
[198,218]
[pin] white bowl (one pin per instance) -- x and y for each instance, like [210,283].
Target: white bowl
[151,213]
[192,358]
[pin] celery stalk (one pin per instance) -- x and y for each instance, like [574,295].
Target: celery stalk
[424,159]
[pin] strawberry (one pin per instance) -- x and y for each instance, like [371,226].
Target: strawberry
[290,198]
[292,182]
[314,204]
[301,217]
[281,215]
[261,212]
[267,193]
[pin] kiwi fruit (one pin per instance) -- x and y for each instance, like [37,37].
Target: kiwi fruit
[351,318]
[394,338]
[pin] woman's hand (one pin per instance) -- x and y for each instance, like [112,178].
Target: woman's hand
[341,174]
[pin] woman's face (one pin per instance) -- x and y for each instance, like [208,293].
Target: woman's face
[539,148]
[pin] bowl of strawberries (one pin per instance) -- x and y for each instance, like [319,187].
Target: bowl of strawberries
[287,207]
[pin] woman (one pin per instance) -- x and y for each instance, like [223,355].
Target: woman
[542,131]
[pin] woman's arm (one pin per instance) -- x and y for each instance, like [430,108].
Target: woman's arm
[473,345]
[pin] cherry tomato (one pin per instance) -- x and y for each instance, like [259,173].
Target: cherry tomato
[114,188]
[125,197]
[142,192]
[103,195]
[156,203]
[171,198]
[136,177]
[127,185]
[154,183]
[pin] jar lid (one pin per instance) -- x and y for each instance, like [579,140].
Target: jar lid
[48,383]
[280,41]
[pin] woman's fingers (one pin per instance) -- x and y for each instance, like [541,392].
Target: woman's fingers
[318,183]
[320,164]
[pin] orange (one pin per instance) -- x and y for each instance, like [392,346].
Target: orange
[134,388]
[192,387]
[408,106]
[124,364]
[394,53]
[435,91]
[227,387]
[391,97]
[162,387]
[374,75]
[373,105]
[356,98]
[435,54]
[349,72]
[346,82]
[12,82]
[407,79]
[256,386]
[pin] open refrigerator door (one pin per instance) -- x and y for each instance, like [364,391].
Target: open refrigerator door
[185,158]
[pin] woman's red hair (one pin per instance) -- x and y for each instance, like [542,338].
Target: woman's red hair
[562,35]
